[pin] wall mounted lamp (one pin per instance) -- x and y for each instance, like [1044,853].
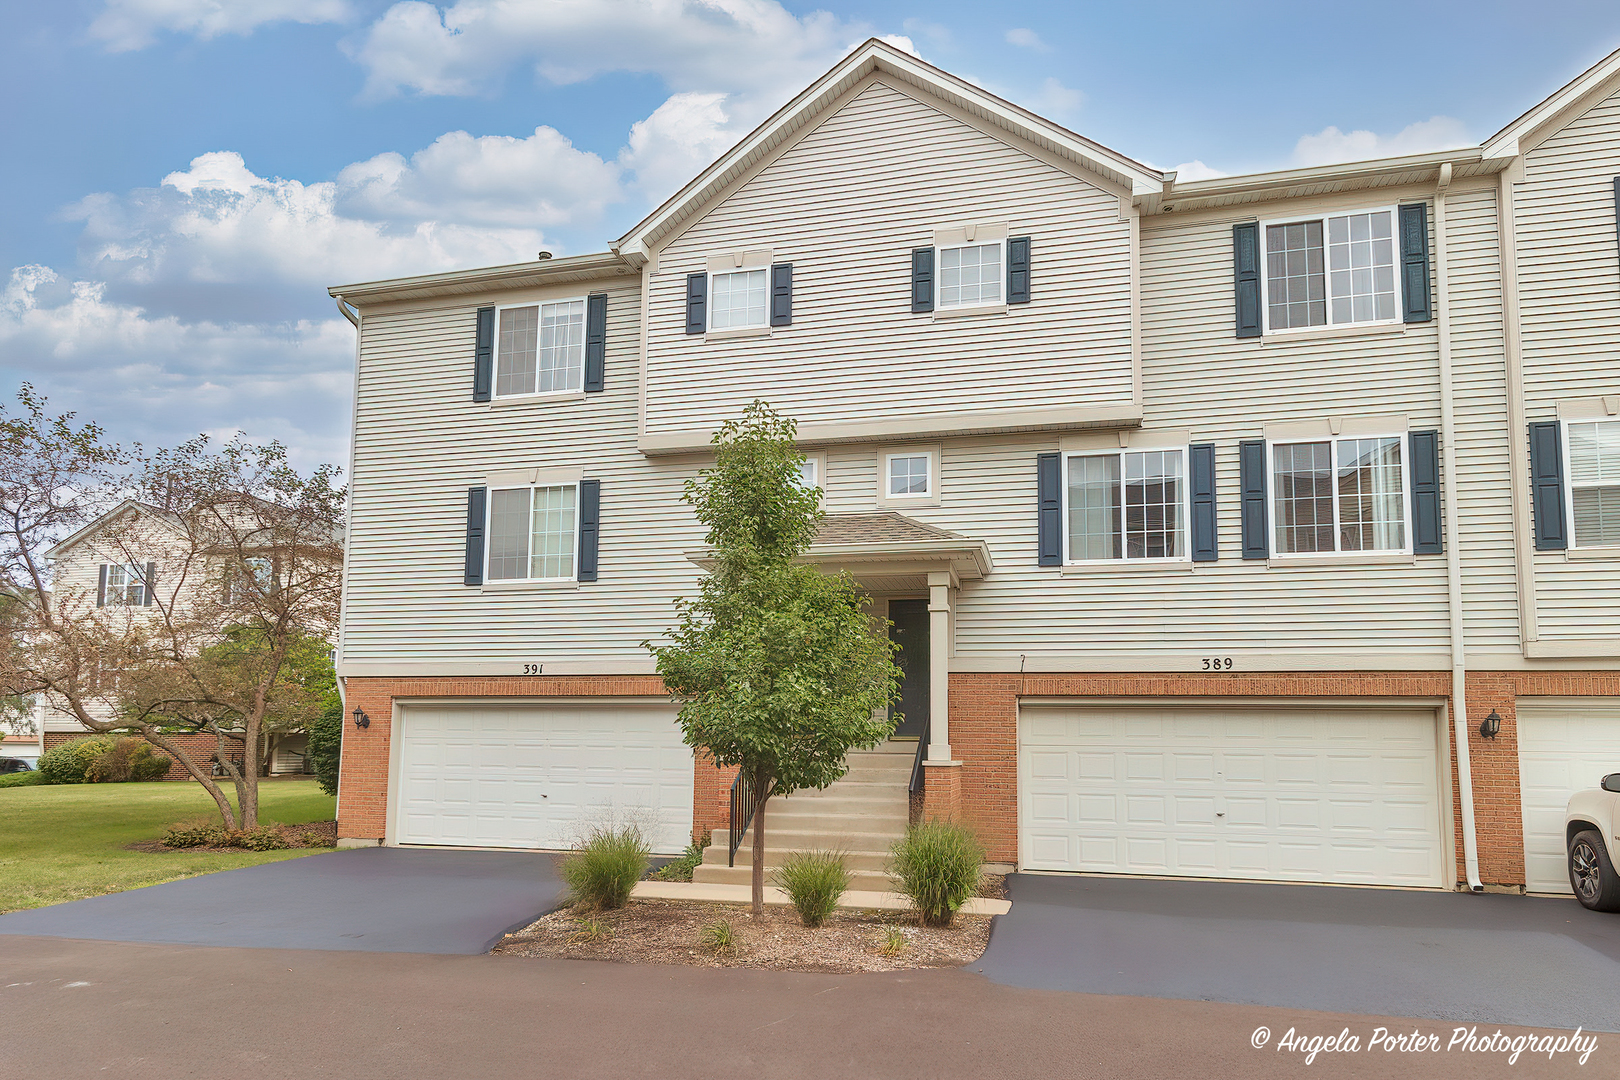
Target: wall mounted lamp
[1489,726]
[361,720]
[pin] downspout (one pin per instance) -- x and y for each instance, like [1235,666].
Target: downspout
[1454,580]
[348,531]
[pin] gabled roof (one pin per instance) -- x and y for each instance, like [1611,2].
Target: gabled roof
[1569,101]
[125,508]
[876,528]
[875,56]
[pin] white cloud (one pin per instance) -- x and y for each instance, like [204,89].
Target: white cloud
[1026,39]
[675,143]
[1057,101]
[1188,171]
[217,238]
[133,24]
[540,180]
[154,378]
[1330,145]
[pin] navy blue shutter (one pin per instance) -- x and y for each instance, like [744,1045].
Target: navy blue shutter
[1018,270]
[151,583]
[1547,485]
[595,342]
[697,303]
[475,536]
[1415,262]
[1202,462]
[1049,475]
[590,527]
[1252,483]
[1246,277]
[922,279]
[782,294]
[1427,538]
[484,355]
[101,587]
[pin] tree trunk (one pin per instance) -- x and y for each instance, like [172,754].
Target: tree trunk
[248,799]
[163,742]
[759,859]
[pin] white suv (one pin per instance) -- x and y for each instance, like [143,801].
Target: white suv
[1592,826]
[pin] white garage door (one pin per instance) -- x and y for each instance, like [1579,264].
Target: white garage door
[527,776]
[1329,795]
[1564,746]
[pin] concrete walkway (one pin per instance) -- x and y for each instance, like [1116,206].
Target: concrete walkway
[1452,956]
[367,900]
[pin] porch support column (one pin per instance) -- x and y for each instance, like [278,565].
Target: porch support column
[940,584]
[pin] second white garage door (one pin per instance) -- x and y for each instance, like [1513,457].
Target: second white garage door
[1564,746]
[1326,795]
[528,776]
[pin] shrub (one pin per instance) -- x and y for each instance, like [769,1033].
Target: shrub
[938,864]
[814,881]
[262,838]
[190,834]
[126,760]
[326,743]
[66,764]
[602,870]
[719,937]
[21,779]
[681,869]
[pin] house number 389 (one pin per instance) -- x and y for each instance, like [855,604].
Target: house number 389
[1217,663]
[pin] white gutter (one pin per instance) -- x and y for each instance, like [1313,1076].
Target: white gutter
[1454,582]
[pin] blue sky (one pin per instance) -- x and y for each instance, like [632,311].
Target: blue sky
[184,177]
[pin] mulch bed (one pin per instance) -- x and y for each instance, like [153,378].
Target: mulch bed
[314,834]
[667,932]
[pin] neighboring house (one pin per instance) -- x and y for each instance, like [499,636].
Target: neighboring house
[1214,516]
[122,559]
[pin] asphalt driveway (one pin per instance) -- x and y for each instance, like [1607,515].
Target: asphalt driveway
[1495,959]
[366,900]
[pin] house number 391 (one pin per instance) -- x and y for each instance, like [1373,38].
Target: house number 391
[531,669]
[1217,663]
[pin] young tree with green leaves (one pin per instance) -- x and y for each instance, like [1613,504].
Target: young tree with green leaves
[779,669]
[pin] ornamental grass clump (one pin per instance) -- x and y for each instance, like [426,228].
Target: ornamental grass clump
[719,938]
[938,865]
[605,866]
[814,880]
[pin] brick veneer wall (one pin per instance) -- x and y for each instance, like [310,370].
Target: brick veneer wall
[984,736]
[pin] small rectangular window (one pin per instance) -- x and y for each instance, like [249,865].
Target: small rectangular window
[533,533]
[1339,495]
[971,275]
[540,349]
[737,300]
[126,585]
[1127,505]
[1594,482]
[1335,270]
[910,475]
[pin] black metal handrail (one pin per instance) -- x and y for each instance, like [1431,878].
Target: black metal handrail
[917,762]
[744,802]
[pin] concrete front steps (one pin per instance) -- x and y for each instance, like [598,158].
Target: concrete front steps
[861,816]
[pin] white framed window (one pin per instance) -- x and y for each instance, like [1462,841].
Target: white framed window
[256,568]
[1125,505]
[1592,463]
[971,275]
[739,299]
[1331,270]
[540,348]
[812,471]
[126,584]
[1339,495]
[533,533]
[908,475]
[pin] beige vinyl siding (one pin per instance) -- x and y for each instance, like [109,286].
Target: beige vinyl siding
[1479,383]
[1569,290]
[421,442]
[846,206]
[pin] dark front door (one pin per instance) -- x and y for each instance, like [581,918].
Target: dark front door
[910,632]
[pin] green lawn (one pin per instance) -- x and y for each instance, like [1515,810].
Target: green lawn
[67,842]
